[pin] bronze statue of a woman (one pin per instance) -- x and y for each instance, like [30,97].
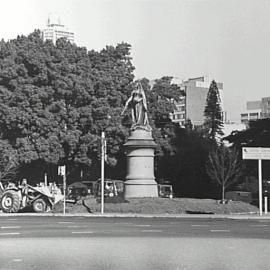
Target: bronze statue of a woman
[138,105]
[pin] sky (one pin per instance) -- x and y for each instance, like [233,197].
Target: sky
[228,40]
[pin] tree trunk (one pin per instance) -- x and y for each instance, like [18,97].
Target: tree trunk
[223,193]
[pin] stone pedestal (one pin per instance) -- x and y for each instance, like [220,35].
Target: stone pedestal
[140,152]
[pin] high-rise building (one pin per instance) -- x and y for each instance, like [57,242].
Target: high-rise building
[257,109]
[191,106]
[55,30]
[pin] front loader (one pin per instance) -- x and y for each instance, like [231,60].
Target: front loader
[41,199]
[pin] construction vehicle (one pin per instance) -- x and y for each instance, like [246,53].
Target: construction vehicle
[165,191]
[112,188]
[77,191]
[40,198]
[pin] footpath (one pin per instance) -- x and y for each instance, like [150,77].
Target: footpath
[243,216]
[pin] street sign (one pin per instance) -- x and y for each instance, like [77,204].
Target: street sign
[62,170]
[256,153]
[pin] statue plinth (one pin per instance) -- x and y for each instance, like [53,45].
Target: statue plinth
[140,152]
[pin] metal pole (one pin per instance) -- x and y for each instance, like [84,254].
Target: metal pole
[265,205]
[45,180]
[64,192]
[102,170]
[260,184]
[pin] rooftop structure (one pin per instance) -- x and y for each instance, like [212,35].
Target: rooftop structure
[55,30]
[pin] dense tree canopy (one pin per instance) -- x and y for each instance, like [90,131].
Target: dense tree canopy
[186,168]
[258,134]
[56,99]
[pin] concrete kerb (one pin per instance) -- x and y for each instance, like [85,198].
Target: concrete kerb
[242,216]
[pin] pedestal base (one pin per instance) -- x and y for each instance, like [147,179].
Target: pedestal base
[140,179]
[136,190]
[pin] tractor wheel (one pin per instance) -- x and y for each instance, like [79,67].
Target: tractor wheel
[40,205]
[10,202]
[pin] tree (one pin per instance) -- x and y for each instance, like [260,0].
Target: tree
[224,166]
[187,167]
[56,99]
[257,135]
[213,113]
[160,99]
[8,162]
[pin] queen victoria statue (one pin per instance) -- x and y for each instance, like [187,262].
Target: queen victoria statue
[139,148]
[138,105]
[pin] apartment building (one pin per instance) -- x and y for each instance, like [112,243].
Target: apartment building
[191,106]
[257,109]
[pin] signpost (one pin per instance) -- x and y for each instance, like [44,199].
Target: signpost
[62,171]
[259,153]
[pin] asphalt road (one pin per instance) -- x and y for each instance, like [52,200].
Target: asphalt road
[133,243]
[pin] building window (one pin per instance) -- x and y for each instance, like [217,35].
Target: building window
[254,116]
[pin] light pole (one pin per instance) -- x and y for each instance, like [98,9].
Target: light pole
[103,150]
[103,157]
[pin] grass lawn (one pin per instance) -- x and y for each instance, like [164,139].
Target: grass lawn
[158,206]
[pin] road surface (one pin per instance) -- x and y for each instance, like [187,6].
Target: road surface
[133,243]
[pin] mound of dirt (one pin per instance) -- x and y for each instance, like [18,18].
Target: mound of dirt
[157,206]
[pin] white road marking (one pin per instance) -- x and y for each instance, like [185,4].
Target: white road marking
[81,232]
[151,230]
[112,231]
[12,219]
[142,225]
[11,227]
[219,230]
[11,233]
[65,222]
[199,225]
[259,225]
[17,260]
[76,226]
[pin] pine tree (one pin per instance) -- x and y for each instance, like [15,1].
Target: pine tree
[213,113]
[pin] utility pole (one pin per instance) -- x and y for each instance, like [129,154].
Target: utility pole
[260,185]
[62,171]
[103,149]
